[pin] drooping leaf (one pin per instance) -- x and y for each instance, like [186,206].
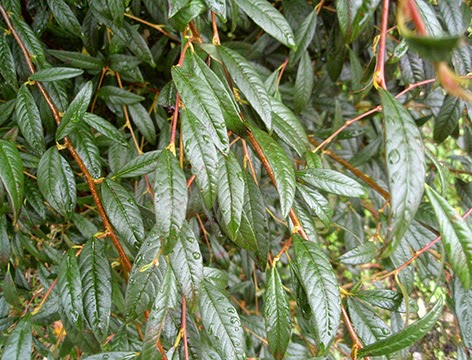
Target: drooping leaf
[331,181]
[96,284]
[405,166]
[304,82]
[269,19]
[143,121]
[303,37]
[202,155]
[104,127]
[65,17]
[353,16]
[456,237]
[75,112]
[123,213]
[463,311]
[248,81]
[7,63]
[56,182]
[199,98]
[70,290]
[55,74]
[281,167]
[19,343]
[170,198]
[316,203]
[405,337]
[433,48]
[140,165]
[84,143]
[186,261]
[320,284]
[451,13]
[222,323]
[448,118]
[277,315]
[231,194]
[11,174]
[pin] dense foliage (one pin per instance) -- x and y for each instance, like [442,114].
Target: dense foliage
[232,179]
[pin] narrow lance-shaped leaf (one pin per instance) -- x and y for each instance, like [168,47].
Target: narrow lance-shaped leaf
[303,37]
[463,311]
[202,155]
[170,198]
[75,111]
[320,284]
[456,237]
[404,338]
[96,283]
[7,63]
[123,213]
[56,182]
[65,17]
[70,290]
[199,98]
[248,81]
[304,82]
[316,203]
[186,261]
[277,315]
[269,19]
[231,194]
[29,120]
[104,127]
[143,121]
[281,167]
[404,152]
[222,323]
[84,143]
[448,118]
[140,165]
[11,174]
[55,74]
[19,343]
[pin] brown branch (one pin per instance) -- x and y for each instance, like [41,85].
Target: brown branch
[57,117]
[154,26]
[352,334]
[184,326]
[379,73]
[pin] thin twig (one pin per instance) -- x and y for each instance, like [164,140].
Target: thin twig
[352,334]
[379,73]
[184,326]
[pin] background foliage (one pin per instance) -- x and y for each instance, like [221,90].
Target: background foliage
[231,179]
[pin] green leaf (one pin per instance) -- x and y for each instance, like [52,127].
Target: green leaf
[320,284]
[170,198]
[304,36]
[448,118]
[105,128]
[116,96]
[202,155]
[117,9]
[199,98]
[56,182]
[70,290]
[65,17]
[221,322]
[19,345]
[166,299]
[79,60]
[231,194]
[451,13]
[217,6]
[433,48]
[186,262]
[146,277]
[277,315]
[143,121]
[96,284]
[282,169]
[28,37]
[405,166]
[383,298]
[227,103]
[123,213]
[140,165]
[353,16]
[113,355]
[304,82]
[316,203]
[5,248]
[331,181]
[7,63]
[361,254]
[404,338]
[11,173]
[84,143]
[248,81]
[176,5]
[286,125]
[6,109]
[75,112]
[269,19]
[55,74]
[187,13]
[463,311]
[29,120]
[456,237]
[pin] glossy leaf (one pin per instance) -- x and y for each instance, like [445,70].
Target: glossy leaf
[7,63]
[104,127]
[281,167]
[361,254]
[304,82]
[222,323]
[55,74]
[57,182]
[277,315]
[79,60]
[84,143]
[140,165]
[19,343]
[96,284]
[404,152]
[405,337]
[304,36]
[448,118]
[320,284]
[29,120]
[456,237]
[331,181]
[170,198]
[113,355]
[11,174]
[65,17]
[117,96]
[143,121]
[463,311]
[317,203]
